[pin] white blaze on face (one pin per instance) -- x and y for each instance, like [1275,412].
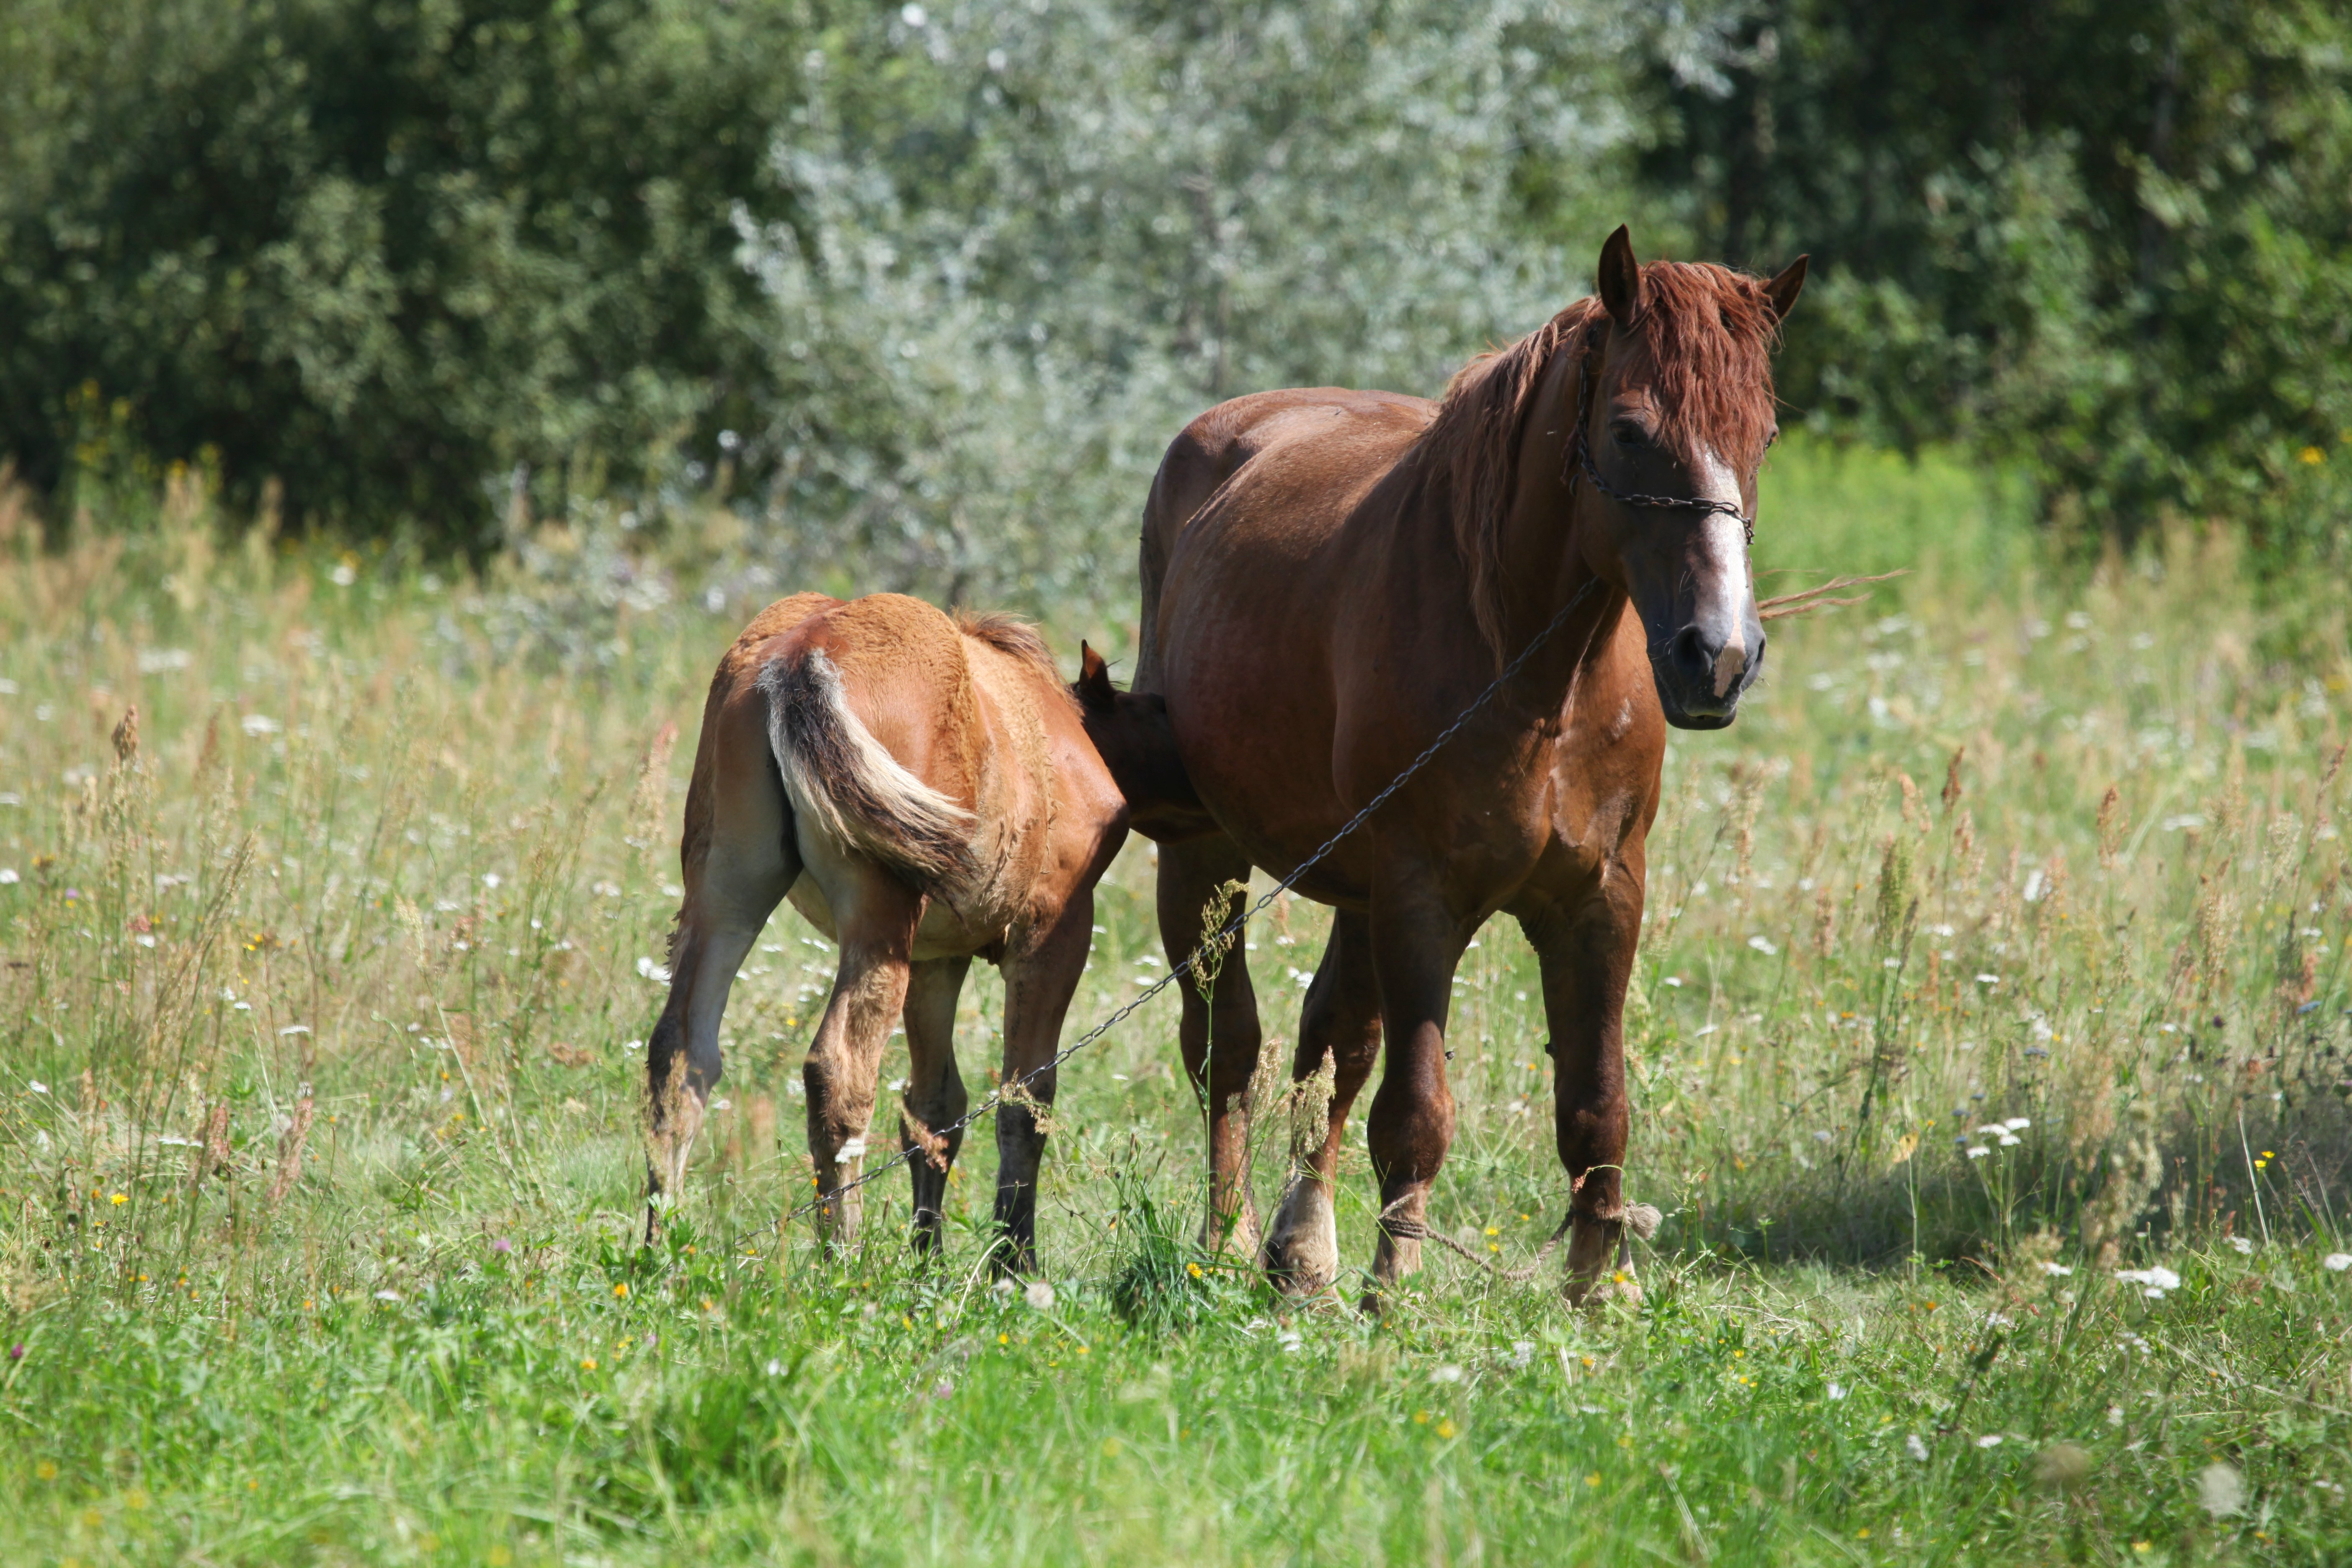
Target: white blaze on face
[1724,542]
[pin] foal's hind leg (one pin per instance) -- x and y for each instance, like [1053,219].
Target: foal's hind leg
[935,1092]
[1220,1038]
[1038,984]
[1341,1021]
[875,915]
[739,861]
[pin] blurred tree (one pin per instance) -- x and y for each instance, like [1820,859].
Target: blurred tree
[2113,237]
[926,289]
[1027,242]
[396,254]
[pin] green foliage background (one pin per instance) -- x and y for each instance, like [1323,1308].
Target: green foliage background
[2112,238]
[916,294]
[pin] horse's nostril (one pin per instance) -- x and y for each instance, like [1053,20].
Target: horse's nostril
[1689,654]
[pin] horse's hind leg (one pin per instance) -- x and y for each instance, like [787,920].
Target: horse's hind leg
[1038,984]
[875,915]
[1340,1023]
[1586,952]
[1219,1037]
[935,1093]
[739,861]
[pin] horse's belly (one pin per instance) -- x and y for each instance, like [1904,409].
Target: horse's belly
[944,931]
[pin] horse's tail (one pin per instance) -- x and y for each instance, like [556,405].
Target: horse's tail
[842,780]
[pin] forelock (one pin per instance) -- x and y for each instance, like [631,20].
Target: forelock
[1703,344]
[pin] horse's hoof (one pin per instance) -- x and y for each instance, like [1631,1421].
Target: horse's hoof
[1295,1276]
[1617,1288]
[1301,1256]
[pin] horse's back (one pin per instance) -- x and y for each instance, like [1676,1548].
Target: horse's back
[1297,424]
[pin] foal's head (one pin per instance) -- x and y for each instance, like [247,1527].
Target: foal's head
[1676,409]
[1131,732]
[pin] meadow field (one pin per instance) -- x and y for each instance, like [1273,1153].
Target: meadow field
[1989,1054]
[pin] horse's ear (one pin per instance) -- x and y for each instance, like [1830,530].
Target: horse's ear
[1621,279]
[1782,291]
[1092,685]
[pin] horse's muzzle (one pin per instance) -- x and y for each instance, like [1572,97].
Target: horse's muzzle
[1700,677]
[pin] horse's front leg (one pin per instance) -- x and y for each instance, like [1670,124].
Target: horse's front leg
[1586,952]
[1219,1034]
[1340,1024]
[1416,943]
[1039,981]
[877,917]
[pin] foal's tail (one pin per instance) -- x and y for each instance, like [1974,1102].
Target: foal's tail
[842,780]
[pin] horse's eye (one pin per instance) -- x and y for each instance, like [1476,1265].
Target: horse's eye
[1629,434]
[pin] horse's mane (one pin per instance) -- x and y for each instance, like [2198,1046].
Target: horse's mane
[1015,638]
[1706,334]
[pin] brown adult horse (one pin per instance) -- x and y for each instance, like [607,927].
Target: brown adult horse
[1330,577]
[924,790]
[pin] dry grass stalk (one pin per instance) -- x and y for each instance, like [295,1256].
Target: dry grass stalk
[212,1154]
[649,802]
[1014,1093]
[1806,601]
[1310,1113]
[289,1151]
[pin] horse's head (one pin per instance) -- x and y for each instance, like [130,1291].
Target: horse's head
[1677,409]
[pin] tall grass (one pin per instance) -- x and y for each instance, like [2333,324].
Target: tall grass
[2000,947]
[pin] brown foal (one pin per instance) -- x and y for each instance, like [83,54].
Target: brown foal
[1330,577]
[924,790]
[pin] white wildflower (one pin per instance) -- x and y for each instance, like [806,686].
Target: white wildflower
[1918,1448]
[2220,1490]
[1039,1295]
[2337,1261]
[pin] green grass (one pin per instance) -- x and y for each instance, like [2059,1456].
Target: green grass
[399,845]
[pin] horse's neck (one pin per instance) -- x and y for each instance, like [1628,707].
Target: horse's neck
[1542,558]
